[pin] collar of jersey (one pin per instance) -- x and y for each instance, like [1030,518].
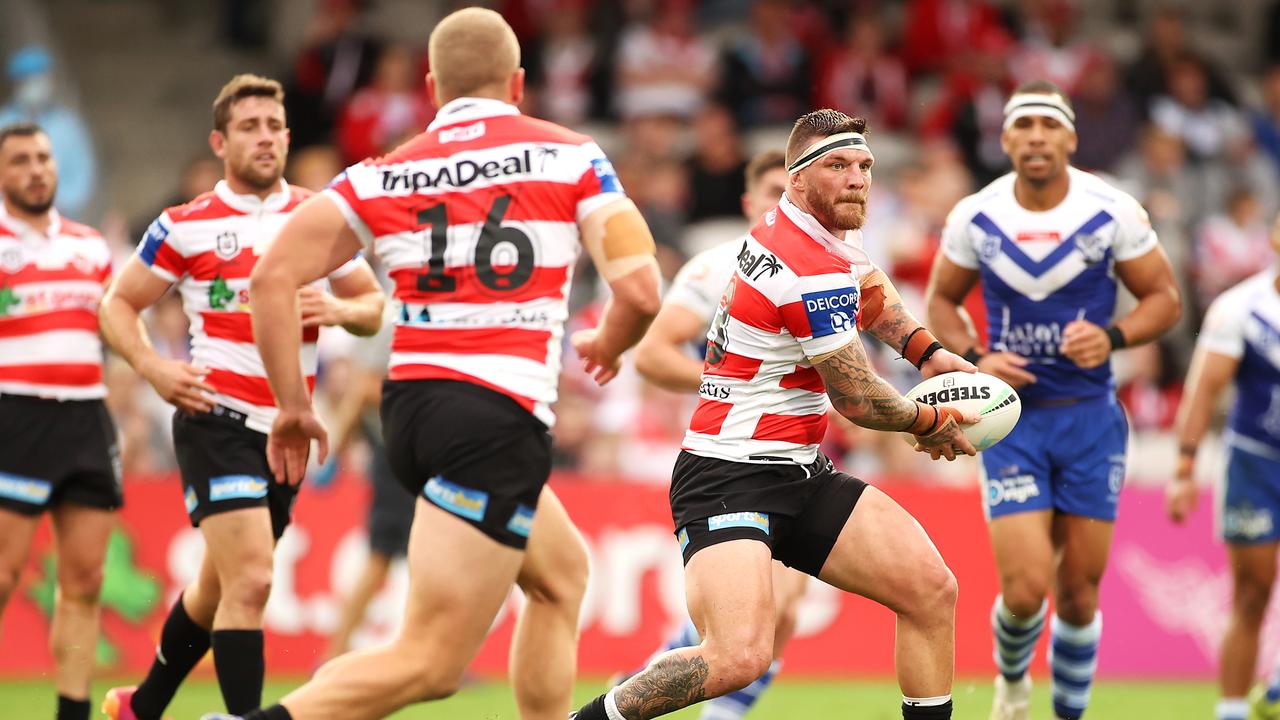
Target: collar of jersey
[21,229]
[849,247]
[274,202]
[463,109]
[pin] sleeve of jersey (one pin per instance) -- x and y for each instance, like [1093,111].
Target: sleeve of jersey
[355,263]
[1223,329]
[821,312]
[693,289]
[344,192]
[956,243]
[158,250]
[1135,237]
[598,185]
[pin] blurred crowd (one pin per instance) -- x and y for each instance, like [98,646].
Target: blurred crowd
[681,94]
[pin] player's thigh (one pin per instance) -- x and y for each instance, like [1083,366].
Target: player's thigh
[555,563]
[16,532]
[1022,544]
[458,580]
[883,554]
[729,589]
[1253,569]
[788,587]
[1082,546]
[238,541]
[82,534]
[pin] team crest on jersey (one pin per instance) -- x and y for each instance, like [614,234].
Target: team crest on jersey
[1092,248]
[227,245]
[11,259]
[989,248]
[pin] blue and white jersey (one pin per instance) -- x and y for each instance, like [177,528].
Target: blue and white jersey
[1042,270]
[1244,323]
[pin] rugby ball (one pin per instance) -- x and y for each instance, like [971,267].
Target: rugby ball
[996,404]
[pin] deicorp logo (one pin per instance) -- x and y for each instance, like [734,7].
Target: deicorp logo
[831,311]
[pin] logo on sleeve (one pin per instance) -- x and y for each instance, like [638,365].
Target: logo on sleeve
[609,182]
[831,311]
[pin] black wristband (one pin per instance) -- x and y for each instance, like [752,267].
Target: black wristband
[1116,337]
[972,355]
[928,352]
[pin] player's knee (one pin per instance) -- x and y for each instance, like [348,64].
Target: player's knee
[435,684]
[8,583]
[249,588]
[934,592]
[80,585]
[742,666]
[567,585]
[1024,594]
[1078,604]
[1251,598]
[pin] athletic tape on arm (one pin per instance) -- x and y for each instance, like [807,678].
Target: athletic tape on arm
[618,239]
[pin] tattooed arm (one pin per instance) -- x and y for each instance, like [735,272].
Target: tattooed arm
[858,393]
[887,318]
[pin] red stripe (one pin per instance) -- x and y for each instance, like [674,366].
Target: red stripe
[799,429]
[170,260]
[75,229]
[499,130]
[803,378]
[250,389]
[736,366]
[53,373]
[750,306]
[207,265]
[205,206]
[45,322]
[795,248]
[434,372]
[709,416]
[795,319]
[544,282]
[238,327]
[32,274]
[519,342]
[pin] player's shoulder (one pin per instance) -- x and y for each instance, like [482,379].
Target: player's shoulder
[1099,191]
[205,206]
[1247,292]
[718,253]
[71,228]
[531,129]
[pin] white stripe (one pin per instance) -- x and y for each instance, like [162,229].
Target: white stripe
[242,358]
[541,314]
[562,163]
[260,417]
[29,288]
[518,375]
[356,223]
[739,449]
[56,392]
[55,346]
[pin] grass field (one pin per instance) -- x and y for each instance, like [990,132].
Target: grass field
[787,700]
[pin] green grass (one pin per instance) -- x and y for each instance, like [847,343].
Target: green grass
[786,700]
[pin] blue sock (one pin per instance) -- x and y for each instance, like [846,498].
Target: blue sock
[1232,709]
[735,705]
[1015,639]
[1073,656]
[1273,687]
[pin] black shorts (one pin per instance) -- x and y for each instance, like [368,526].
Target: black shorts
[56,451]
[224,467]
[471,451]
[797,510]
[390,509]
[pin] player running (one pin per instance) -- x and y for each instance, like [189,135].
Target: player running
[750,485]
[479,221]
[1048,242]
[208,248]
[58,447]
[1240,342]
[663,357]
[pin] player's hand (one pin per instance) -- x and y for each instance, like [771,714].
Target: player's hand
[289,444]
[945,361]
[318,307]
[180,384]
[1180,498]
[948,439]
[595,362]
[1009,367]
[1085,344]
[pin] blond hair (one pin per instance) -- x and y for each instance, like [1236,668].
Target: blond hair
[472,50]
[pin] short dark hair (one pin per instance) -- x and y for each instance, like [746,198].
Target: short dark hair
[1043,87]
[762,163]
[817,124]
[240,87]
[19,129]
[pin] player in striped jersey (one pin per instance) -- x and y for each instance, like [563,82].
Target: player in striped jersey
[751,485]
[1240,344]
[479,220]
[57,443]
[1051,245]
[207,248]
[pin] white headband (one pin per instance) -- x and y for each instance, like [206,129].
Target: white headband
[828,144]
[1038,104]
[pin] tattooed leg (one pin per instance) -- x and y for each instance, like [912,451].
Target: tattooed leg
[673,681]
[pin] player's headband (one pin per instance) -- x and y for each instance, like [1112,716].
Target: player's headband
[1041,104]
[825,145]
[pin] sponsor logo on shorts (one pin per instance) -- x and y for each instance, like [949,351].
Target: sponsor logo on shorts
[458,500]
[1247,522]
[1016,489]
[521,522]
[683,537]
[759,521]
[25,489]
[191,500]
[237,487]
[831,311]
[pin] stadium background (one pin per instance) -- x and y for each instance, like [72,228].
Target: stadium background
[1179,103]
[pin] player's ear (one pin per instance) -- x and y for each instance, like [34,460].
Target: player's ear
[517,86]
[431,91]
[1004,141]
[218,143]
[1072,144]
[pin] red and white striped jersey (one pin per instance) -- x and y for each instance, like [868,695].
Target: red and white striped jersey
[50,287]
[476,220]
[209,247]
[793,296]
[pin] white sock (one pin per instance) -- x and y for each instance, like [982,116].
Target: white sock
[611,706]
[926,702]
[1233,709]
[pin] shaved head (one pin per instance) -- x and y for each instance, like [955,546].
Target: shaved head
[473,52]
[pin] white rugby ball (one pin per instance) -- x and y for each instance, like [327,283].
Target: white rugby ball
[997,405]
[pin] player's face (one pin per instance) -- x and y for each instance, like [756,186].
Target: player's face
[1039,147]
[836,186]
[28,173]
[256,142]
[765,193]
